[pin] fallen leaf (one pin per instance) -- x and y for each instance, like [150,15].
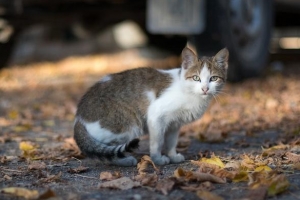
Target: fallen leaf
[165,185]
[78,170]
[233,165]
[295,158]
[240,176]
[248,163]
[223,173]
[27,146]
[259,193]
[196,176]
[206,195]
[50,178]
[196,187]
[262,168]
[147,179]
[109,176]
[47,194]
[6,177]
[13,114]
[277,150]
[123,183]
[21,192]
[296,166]
[278,184]
[142,166]
[37,165]
[213,160]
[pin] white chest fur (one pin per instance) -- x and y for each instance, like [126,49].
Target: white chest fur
[176,104]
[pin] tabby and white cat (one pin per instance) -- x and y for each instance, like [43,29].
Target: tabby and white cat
[121,107]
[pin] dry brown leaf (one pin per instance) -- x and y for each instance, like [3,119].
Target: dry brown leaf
[50,178]
[196,187]
[6,177]
[47,194]
[196,176]
[21,192]
[70,145]
[4,159]
[204,166]
[147,179]
[276,183]
[248,163]
[109,176]
[233,165]
[123,183]
[206,195]
[222,173]
[165,185]
[37,165]
[277,150]
[295,158]
[142,166]
[78,170]
[296,166]
[259,193]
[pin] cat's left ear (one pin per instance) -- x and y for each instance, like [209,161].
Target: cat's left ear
[222,58]
[189,58]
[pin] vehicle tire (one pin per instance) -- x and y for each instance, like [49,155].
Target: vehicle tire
[6,50]
[244,27]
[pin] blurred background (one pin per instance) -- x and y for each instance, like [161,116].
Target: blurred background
[50,30]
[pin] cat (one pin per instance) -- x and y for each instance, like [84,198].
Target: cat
[121,107]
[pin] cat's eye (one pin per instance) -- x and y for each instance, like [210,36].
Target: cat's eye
[196,78]
[214,78]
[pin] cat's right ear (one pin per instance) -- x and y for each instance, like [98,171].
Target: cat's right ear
[189,58]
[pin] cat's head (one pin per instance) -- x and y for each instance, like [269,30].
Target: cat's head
[204,76]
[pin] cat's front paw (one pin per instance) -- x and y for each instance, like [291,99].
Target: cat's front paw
[178,158]
[160,159]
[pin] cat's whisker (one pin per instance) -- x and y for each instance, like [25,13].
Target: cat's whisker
[215,97]
[222,92]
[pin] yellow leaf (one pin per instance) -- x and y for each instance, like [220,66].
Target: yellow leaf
[275,150]
[241,176]
[21,192]
[263,168]
[213,160]
[13,114]
[206,195]
[22,128]
[26,146]
[49,123]
[278,184]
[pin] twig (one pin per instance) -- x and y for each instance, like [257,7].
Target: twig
[296,196]
[12,170]
[85,176]
[78,160]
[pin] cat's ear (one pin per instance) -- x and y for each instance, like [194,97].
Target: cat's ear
[222,58]
[189,58]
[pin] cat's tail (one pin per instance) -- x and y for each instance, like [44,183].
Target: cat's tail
[93,148]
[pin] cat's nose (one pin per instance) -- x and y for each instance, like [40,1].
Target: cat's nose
[205,89]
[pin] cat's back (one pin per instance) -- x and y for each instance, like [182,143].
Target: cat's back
[125,89]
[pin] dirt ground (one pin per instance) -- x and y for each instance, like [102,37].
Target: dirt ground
[251,124]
